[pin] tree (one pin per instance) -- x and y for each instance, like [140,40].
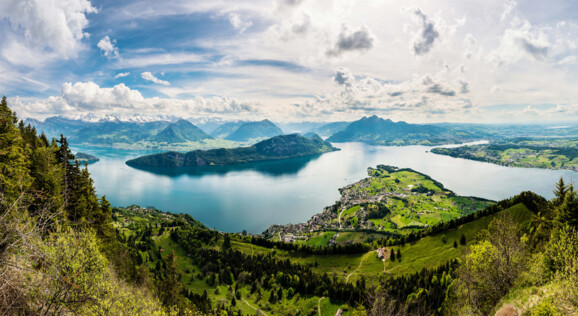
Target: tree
[455,244]
[398,255]
[560,192]
[14,174]
[568,210]
[392,255]
[463,240]
[490,267]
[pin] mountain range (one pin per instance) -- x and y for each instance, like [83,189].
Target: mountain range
[378,131]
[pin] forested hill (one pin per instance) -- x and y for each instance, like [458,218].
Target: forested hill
[275,148]
[375,130]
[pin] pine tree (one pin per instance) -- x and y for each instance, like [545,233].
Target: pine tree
[568,210]
[14,174]
[392,255]
[560,193]
[455,244]
[398,255]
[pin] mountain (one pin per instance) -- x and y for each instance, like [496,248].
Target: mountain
[180,132]
[375,130]
[252,130]
[275,148]
[329,129]
[86,158]
[227,129]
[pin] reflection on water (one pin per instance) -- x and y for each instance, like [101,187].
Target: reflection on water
[268,168]
[254,196]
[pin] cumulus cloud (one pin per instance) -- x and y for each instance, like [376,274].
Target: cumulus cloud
[291,28]
[150,77]
[440,89]
[238,23]
[427,34]
[424,97]
[83,97]
[538,50]
[343,76]
[107,47]
[522,41]
[360,40]
[121,75]
[54,25]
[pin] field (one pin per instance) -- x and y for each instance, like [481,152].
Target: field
[528,153]
[394,200]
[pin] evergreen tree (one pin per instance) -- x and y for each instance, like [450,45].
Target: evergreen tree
[398,255]
[560,193]
[14,177]
[568,210]
[392,255]
[455,244]
[463,240]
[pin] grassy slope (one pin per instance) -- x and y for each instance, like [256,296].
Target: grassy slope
[427,252]
[544,153]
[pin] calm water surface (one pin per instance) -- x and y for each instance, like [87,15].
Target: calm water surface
[254,196]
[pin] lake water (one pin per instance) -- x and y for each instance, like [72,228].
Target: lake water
[255,196]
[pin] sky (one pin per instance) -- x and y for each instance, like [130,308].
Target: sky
[292,60]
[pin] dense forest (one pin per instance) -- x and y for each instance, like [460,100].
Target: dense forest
[63,250]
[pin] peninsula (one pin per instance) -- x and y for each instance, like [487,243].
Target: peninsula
[275,148]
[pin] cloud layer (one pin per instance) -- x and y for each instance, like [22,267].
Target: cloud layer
[446,60]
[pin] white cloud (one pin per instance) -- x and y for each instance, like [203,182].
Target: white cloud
[122,75]
[55,25]
[426,35]
[238,23]
[107,47]
[424,98]
[140,61]
[348,41]
[150,77]
[82,97]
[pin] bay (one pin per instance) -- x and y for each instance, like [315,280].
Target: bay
[257,195]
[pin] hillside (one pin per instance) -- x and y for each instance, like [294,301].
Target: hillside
[548,153]
[254,130]
[377,131]
[390,201]
[180,132]
[329,129]
[226,129]
[275,148]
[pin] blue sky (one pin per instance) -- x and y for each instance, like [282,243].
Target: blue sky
[293,60]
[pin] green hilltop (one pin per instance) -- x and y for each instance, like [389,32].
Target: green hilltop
[275,148]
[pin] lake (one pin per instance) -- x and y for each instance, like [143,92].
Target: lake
[257,195]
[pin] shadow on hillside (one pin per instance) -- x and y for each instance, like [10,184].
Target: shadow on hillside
[275,168]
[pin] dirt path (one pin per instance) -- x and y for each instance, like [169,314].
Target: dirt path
[319,305]
[260,311]
[359,266]
[339,218]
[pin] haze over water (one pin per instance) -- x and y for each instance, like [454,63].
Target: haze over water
[255,196]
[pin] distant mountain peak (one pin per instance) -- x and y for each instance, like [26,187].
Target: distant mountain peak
[121,117]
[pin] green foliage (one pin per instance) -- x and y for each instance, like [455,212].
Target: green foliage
[568,209]
[276,148]
[491,266]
